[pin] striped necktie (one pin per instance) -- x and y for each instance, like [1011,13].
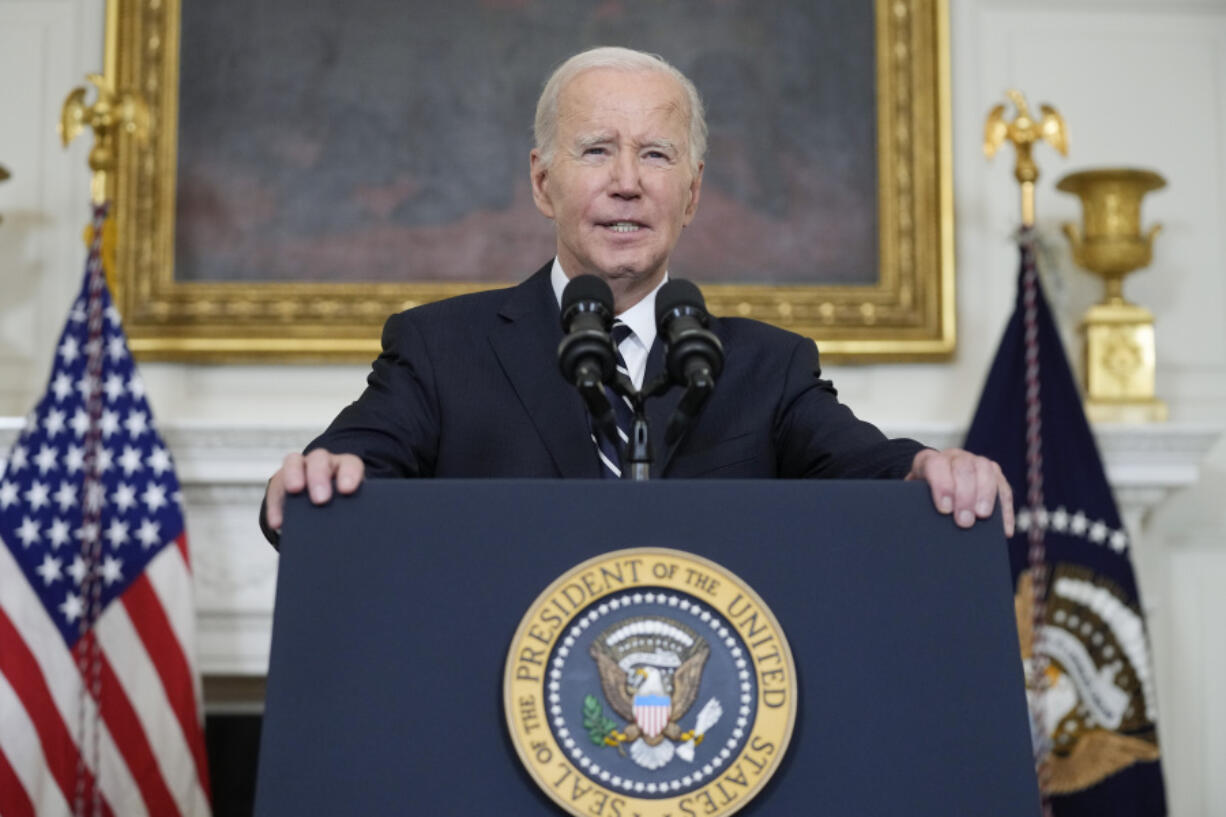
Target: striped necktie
[623,412]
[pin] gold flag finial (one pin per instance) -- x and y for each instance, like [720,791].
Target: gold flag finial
[112,112]
[1023,132]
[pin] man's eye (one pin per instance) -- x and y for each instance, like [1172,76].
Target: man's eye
[594,151]
[657,154]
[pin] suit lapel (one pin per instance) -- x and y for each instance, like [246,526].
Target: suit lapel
[660,411]
[526,344]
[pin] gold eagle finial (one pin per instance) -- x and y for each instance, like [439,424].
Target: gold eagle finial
[1023,132]
[111,113]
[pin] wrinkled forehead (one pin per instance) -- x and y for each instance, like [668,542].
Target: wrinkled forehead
[608,96]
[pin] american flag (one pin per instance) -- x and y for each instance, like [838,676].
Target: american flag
[99,694]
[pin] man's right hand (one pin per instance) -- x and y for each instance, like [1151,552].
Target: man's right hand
[314,472]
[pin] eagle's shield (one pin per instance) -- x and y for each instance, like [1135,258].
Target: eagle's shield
[651,713]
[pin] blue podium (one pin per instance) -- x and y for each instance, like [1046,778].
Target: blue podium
[396,608]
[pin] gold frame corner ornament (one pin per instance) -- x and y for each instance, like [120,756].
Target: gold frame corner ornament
[906,315]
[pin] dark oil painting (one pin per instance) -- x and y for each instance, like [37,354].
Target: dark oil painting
[387,140]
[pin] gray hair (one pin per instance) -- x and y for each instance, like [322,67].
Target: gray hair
[545,128]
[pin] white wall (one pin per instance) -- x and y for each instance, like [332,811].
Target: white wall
[1141,83]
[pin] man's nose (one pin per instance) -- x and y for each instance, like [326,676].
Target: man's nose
[624,180]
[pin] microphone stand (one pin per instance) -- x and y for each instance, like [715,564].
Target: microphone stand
[637,462]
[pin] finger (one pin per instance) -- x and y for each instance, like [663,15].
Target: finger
[936,470]
[319,470]
[1005,491]
[274,501]
[293,473]
[986,486]
[350,471]
[965,489]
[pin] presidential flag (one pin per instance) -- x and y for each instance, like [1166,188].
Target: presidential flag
[99,695]
[1089,671]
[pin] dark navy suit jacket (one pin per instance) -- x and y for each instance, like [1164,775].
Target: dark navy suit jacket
[470,387]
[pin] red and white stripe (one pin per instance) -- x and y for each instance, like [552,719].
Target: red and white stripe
[150,742]
[651,718]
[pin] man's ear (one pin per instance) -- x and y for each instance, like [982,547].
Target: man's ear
[695,192]
[540,183]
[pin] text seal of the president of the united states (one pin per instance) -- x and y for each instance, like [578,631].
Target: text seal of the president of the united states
[650,682]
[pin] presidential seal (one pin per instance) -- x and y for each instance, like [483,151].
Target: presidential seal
[650,683]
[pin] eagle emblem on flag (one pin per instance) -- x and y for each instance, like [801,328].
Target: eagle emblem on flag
[650,672]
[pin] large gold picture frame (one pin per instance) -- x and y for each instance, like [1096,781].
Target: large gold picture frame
[906,315]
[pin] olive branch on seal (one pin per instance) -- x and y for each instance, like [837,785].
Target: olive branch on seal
[594,721]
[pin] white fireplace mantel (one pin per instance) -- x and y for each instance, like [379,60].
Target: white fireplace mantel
[223,468]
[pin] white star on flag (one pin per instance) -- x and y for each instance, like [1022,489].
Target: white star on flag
[37,495]
[74,459]
[45,459]
[88,532]
[115,348]
[53,423]
[77,570]
[109,423]
[114,387]
[62,386]
[159,460]
[69,349]
[154,496]
[66,496]
[130,461]
[49,569]
[95,496]
[148,533]
[28,531]
[72,607]
[58,533]
[124,497]
[80,423]
[8,494]
[117,532]
[111,570]
[137,424]
[86,387]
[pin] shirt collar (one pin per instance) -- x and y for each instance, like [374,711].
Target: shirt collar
[641,318]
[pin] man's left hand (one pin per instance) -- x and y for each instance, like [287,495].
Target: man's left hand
[965,485]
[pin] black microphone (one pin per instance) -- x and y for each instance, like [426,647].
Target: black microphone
[694,356]
[585,354]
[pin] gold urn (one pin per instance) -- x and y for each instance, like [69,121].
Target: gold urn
[1119,336]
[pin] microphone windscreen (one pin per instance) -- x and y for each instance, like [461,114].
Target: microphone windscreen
[587,288]
[678,292]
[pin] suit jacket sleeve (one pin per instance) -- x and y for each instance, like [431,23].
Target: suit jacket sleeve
[816,436]
[394,425]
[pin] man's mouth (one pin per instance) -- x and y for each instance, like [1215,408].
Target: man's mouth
[623,226]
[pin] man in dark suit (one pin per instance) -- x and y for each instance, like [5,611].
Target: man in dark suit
[469,387]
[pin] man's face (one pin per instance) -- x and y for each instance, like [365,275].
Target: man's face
[620,186]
